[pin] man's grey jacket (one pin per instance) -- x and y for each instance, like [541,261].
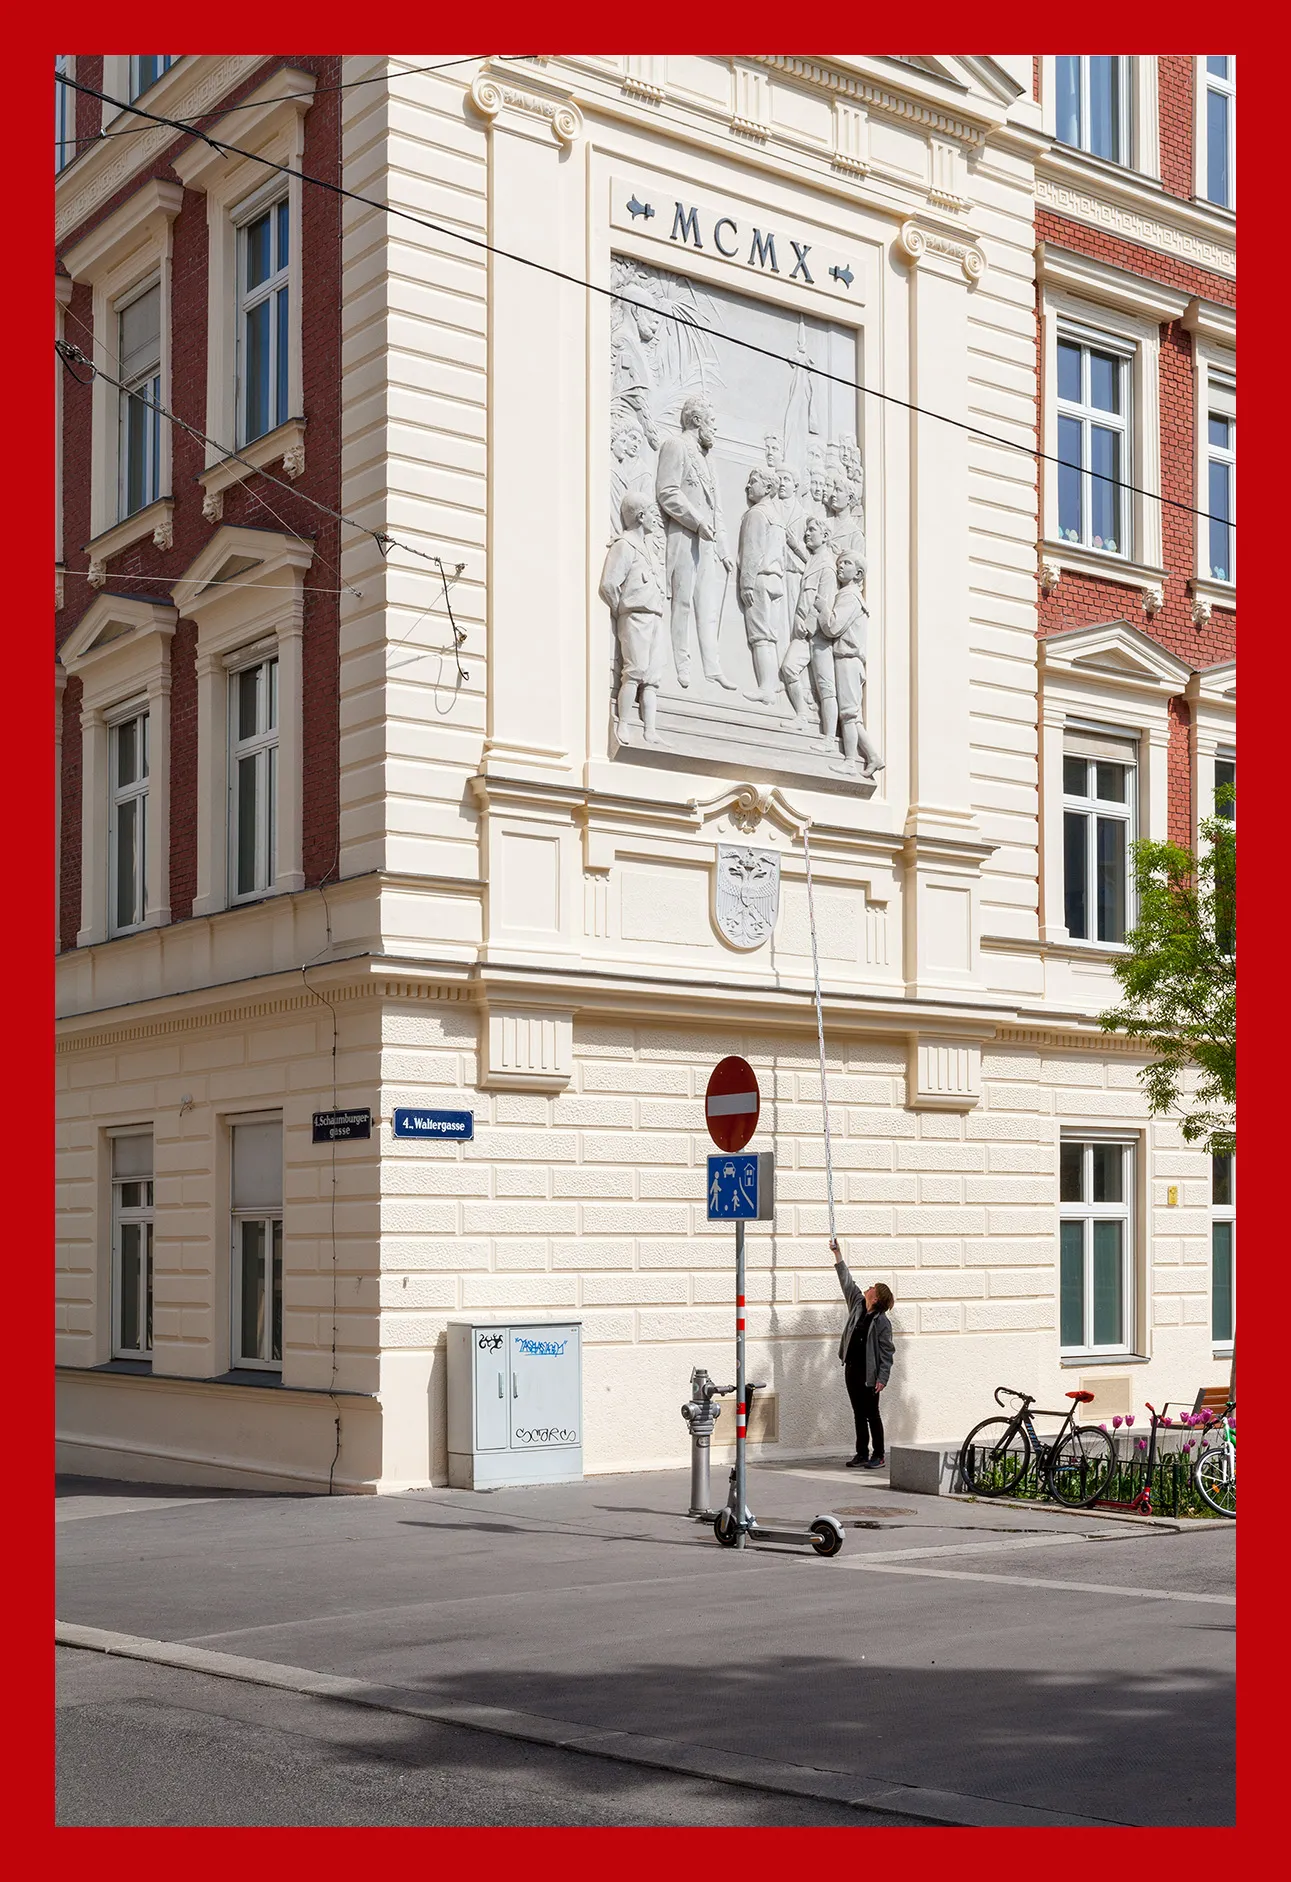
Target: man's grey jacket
[879,1344]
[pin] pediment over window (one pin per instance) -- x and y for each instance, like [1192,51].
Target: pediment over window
[1216,686]
[248,569]
[109,620]
[1116,654]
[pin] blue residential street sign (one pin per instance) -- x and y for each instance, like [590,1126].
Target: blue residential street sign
[456,1127]
[741,1188]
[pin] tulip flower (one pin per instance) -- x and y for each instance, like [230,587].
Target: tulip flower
[1117,1422]
[1129,1418]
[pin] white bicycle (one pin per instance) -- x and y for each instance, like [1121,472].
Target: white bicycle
[1216,1470]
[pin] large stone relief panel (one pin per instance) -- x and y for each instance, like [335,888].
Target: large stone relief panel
[735,578]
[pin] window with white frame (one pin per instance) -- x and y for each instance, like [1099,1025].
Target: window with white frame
[1223,1248]
[1096,1240]
[1099,774]
[1226,786]
[257,1244]
[1219,123]
[253,778]
[139,369]
[64,113]
[132,1245]
[146,68]
[1221,477]
[128,822]
[264,321]
[1092,104]
[1093,441]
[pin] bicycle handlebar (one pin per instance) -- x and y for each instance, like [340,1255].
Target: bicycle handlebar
[1026,1397]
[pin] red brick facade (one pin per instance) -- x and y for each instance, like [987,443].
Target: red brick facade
[1080,600]
[255,502]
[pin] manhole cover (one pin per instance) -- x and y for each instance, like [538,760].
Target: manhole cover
[868,1509]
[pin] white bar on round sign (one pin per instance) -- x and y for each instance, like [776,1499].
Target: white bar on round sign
[734,1104]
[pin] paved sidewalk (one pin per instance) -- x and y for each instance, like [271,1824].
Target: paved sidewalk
[958,1662]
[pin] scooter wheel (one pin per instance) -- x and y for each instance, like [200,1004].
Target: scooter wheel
[724,1529]
[825,1538]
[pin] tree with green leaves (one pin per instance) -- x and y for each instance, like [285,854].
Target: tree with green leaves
[1179,979]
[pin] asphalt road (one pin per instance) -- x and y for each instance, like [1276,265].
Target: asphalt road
[957,1663]
[152,1745]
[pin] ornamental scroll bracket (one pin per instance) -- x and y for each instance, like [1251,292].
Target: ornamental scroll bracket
[489,96]
[913,243]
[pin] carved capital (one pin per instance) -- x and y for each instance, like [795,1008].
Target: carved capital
[489,96]
[913,243]
[213,505]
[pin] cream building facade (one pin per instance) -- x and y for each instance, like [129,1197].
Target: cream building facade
[543,917]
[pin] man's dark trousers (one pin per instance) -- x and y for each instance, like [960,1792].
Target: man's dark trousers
[865,1399]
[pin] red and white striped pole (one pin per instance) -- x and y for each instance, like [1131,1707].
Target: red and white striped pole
[741,1393]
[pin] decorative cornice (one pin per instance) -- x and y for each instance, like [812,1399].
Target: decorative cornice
[1212,320]
[104,168]
[1152,225]
[869,92]
[1097,280]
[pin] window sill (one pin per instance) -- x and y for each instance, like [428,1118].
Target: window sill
[156,520]
[1073,558]
[238,1379]
[1086,1360]
[1085,950]
[285,445]
[130,1368]
[1207,594]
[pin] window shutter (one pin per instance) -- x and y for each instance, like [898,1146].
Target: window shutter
[257,1166]
[140,347]
[132,1158]
[1111,747]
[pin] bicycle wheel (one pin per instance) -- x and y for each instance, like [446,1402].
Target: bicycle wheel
[994,1457]
[1216,1479]
[1080,1465]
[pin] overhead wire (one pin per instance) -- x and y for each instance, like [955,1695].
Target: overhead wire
[220,111]
[593,287]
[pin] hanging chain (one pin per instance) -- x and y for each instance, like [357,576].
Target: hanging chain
[820,1032]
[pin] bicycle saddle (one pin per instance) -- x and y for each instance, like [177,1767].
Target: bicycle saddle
[1081,1398]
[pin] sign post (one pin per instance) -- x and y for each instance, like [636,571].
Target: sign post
[731,1106]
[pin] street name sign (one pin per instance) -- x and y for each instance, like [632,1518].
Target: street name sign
[456,1127]
[731,1104]
[334,1127]
[741,1188]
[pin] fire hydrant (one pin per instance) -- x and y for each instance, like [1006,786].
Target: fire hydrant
[701,1414]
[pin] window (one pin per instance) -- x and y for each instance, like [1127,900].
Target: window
[132,1246]
[257,1245]
[1093,444]
[1219,105]
[1226,788]
[1223,1248]
[1098,779]
[146,68]
[253,778]
[128,823]
[264,308]
[139,369]
[1093,105]
[64,114]
[1096,1296]
[1221,478]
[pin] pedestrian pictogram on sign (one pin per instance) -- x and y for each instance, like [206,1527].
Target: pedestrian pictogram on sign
[731,1104]
[741,1188]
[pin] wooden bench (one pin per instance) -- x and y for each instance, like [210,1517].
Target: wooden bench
[1212,1399]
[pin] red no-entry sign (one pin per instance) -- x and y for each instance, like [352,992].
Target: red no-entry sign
[731,1104]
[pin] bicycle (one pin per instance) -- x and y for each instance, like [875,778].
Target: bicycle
[1215,1473]
[1077,1462]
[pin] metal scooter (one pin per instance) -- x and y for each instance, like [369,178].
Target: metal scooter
[825,1534]
[736,1524]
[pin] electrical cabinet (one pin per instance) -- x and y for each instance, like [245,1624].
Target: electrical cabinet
[515,1403]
